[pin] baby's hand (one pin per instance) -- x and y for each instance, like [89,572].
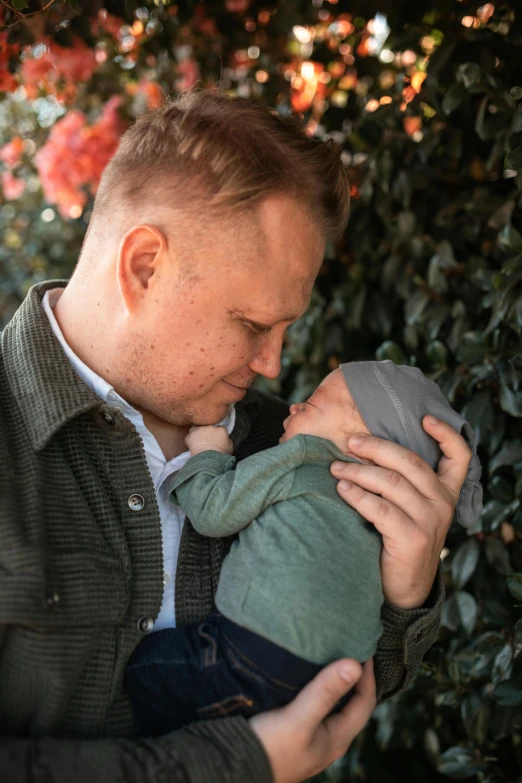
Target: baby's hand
[208,438]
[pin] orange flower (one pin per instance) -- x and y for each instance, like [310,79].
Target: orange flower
[237,6]
[412,124]
[153,93]
[11,152]
[363,50]
[7,82]
[408,94]
[417,80]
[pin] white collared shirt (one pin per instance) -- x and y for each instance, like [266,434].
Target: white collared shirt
[171,516]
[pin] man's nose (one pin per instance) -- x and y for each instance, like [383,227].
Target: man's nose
[267,360]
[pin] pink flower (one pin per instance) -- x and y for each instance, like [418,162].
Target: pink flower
[72,160]
[70,65]
[13,187]
[75,63]
[189,73]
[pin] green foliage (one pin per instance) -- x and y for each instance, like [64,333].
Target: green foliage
[429,273]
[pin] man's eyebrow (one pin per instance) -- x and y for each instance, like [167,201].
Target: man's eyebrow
[287,317]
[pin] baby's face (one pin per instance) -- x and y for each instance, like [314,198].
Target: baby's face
[329,412]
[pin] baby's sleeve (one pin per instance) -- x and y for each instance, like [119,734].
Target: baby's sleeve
[221,501]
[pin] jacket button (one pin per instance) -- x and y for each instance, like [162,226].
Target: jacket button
[145,624]
[52,599]
[107,417]
[136,502]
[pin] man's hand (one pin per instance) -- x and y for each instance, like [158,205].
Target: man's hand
[299,739]
[409,504]
[208,438]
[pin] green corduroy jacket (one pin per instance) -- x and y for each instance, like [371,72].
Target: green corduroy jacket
[81,577]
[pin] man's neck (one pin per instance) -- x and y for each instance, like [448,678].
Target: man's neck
[170,437]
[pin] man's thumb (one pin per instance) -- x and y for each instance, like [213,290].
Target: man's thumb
[320,696]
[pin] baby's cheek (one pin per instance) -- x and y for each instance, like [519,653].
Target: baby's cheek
[357,423]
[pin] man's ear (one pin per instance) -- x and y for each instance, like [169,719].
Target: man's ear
[140,253]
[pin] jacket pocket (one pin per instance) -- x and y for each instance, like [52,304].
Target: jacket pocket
[76,588]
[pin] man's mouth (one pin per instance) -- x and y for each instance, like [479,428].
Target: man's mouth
[238,391]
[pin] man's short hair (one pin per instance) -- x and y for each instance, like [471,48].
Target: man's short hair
[213,154]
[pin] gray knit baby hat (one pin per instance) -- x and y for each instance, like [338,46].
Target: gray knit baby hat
[393,399]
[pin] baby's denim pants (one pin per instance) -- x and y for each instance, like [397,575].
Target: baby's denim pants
[211,669]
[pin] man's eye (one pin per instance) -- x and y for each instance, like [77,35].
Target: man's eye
[257,329]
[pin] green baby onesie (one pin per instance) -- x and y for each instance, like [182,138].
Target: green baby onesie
[304,571]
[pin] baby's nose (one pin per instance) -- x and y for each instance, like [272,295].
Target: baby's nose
[294,408]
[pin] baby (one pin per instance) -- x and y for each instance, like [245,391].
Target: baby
[301,585]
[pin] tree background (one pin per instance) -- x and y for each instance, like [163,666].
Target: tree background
[425,98]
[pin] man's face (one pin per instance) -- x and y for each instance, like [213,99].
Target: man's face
[204,336]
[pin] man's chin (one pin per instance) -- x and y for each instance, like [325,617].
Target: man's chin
[213,415]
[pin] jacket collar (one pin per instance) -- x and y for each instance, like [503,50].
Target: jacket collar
[48,390]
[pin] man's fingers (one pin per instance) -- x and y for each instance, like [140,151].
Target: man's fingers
[387,454]
[389,484]
[344,726]
[320,696]
[453,466]
[387,518]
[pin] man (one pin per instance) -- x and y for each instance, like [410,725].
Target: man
[207,233]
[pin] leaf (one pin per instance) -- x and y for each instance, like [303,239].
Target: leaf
[514,585]
[497,556]
[475,716]
[460,611]
[503,665]
[472,348]
[390,350]
[437,353]
[415,306]
[19,5]
[510,401]
[510,452]
[518,633]
[464,562]
[440,59]
[458,763]
[406,223]
[479,121]
[453,97]
[480,414]
[510,239]
[508,694]
[501,489]
[514,160]
[469,74]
